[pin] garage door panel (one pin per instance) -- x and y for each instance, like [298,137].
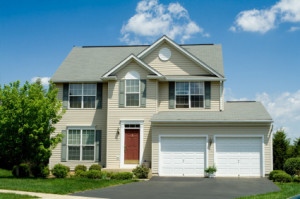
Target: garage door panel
[238,156]
[181,156]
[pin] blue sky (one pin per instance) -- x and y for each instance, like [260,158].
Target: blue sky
[260,39]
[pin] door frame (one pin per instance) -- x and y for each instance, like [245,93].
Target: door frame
[122,135]
[262,164]
[182,136]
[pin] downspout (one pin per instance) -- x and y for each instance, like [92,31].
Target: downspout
[221,95]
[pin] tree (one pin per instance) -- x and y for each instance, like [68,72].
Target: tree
[280,149]
[296,148]
[27,116]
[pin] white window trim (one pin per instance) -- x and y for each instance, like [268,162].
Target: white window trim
[69,107]
[183,136]
[189,95]
[81,129]
[139,92]
[245,136]
[122,135]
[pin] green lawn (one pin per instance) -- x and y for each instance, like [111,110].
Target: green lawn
[14,196]
[287,190]
[56,186]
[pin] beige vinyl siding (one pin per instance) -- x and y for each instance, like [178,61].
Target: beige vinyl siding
[81,117]
[116,114]
[211,131]
[163,103]
[178,64]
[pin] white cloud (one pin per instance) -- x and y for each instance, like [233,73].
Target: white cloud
[230,96]
[266,19]
[294,28]
[44,80]
[153,19]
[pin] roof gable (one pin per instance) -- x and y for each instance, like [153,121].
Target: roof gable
[126,61]
[170,42]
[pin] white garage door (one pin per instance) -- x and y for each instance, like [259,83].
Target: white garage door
[182,156]
[238,156]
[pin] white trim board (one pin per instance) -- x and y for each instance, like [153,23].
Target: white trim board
[183,136]
[245,136]
[122,136]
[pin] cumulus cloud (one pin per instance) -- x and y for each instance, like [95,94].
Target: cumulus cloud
[153,19]
[44,80]
[264,20]
[294,28]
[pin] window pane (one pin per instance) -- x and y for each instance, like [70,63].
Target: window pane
[87,153]
[182,101]
[197,101]
[74,152]
[89,101]
[197,88]
[75,102]
[89,89]
[75,89]
[132,86]
[182,88]
[132,99]
[74,137]
[88,137]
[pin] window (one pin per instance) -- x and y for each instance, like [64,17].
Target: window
[81,144]
[82,95]
[189,94]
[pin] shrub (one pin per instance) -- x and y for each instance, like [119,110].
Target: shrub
[141,172]
[80,168]
[95,167]
[60,171]
[104,175]
[272,173]
[21,170]
[282,177]
[93,174]
[297,179]
[81,174]
[211,169]
[40,171]
[122,176]
[292,165]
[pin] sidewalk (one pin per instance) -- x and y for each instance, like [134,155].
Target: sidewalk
[45,195]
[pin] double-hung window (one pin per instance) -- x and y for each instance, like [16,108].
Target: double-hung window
[132,92]
[81,144]
[189,94]
[82,95]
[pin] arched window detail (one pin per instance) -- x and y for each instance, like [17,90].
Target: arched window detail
[132,89]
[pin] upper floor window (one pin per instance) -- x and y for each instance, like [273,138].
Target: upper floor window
[132,88]
[81,144]
[189,94]
[82,95]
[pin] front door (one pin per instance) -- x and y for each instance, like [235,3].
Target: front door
[132,146]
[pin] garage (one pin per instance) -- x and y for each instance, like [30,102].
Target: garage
[182,156]
[239,156]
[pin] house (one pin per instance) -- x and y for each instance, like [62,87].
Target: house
[161,104]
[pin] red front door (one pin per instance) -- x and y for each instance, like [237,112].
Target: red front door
[132,146]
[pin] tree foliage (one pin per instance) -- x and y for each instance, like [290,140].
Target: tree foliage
[280,149]
[27,116]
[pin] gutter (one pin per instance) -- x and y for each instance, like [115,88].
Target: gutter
[212,121]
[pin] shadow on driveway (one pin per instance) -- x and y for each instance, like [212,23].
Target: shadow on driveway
[185,188]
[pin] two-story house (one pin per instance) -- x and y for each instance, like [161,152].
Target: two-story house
[161,103]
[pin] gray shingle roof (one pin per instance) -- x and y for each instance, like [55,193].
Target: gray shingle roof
[233,111]
[90,63]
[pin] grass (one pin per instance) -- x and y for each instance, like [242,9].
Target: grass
[54,185]
[287,190]
[14,196]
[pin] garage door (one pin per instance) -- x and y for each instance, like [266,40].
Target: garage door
[238,156]
[182,156]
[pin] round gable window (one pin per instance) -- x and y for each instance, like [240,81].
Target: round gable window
[164,54]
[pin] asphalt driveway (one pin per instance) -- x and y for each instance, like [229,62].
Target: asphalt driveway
[185,188]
